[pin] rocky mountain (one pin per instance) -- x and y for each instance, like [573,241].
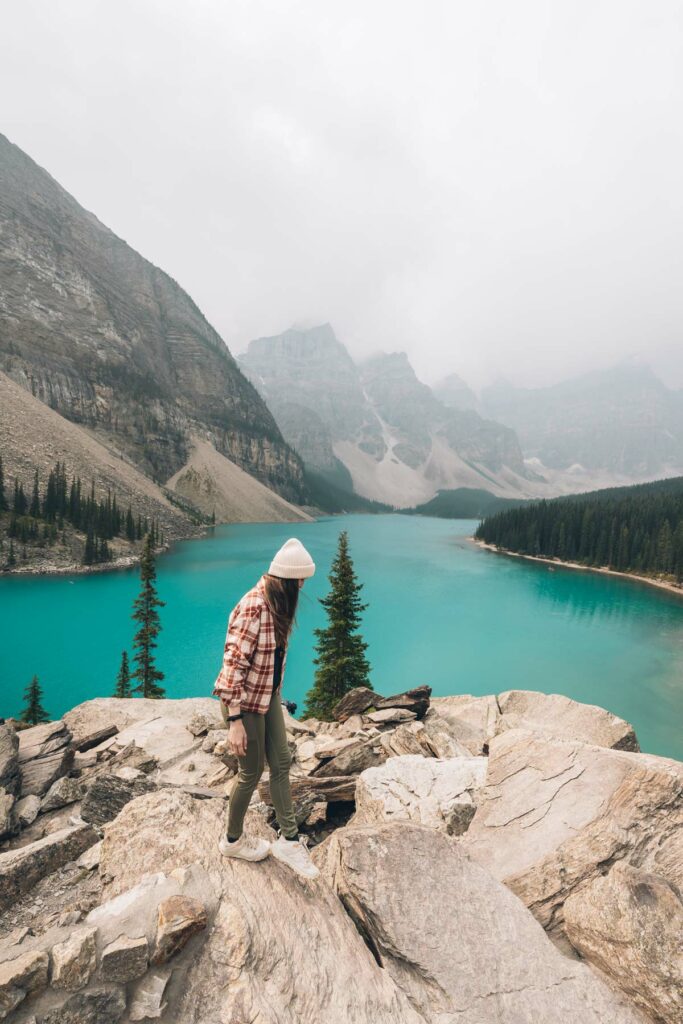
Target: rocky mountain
[503,858]
[376,427]
[109,341]
[454,392]
[621,425]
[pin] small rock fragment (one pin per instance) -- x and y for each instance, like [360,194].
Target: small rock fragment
[27,810]
[125,958]
[26,973]
[148,997]
[179,918]
[61,793]
[74,960]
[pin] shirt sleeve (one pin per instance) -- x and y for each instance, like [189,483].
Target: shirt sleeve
[240,643]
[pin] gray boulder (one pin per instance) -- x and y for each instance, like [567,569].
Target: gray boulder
[472,953]
[629,923]
[74,960]
[125,958]
[239,972]
[440,793]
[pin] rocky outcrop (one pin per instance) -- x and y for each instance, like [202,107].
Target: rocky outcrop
[474,721]
[107,340]
[629,923]
[440,793]
[473,953]
[555,814]
[239,971]
[428,859]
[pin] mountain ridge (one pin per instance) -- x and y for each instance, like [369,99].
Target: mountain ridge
[374,426]
[112,342]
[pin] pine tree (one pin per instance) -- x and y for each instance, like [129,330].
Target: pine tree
[123,687]
[34,509]
[341,662]
[146,615]
[34,712]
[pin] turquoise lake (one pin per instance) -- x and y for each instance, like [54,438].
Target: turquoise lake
[441,611]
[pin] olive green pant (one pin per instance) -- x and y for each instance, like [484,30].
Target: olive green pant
[266,741]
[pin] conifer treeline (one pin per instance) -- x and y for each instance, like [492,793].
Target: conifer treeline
[638,530]
[42,515]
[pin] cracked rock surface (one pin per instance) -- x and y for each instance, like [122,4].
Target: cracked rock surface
[470,952]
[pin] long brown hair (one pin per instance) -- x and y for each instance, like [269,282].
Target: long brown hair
[282,597]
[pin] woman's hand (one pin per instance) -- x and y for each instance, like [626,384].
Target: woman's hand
[237,738]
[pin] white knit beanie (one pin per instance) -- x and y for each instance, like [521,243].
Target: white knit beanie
[292,562]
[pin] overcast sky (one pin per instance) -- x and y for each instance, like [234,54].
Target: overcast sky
[495,188]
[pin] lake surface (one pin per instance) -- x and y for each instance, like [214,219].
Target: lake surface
[441,611]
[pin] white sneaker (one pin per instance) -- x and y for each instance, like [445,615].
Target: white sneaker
[295,855]
[245,848]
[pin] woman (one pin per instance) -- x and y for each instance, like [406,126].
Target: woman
[249,689]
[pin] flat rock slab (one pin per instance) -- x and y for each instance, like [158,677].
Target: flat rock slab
[103,712]
[565,719]
[21,869]
[554,813]
[473,953]
[439,793]
[45,755]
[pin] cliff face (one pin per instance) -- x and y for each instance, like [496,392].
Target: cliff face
[111,342]
[377,427]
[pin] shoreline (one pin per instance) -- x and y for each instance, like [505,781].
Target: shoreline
[671,588]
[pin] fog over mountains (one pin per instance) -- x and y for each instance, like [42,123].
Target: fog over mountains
[375,427]
[113,345]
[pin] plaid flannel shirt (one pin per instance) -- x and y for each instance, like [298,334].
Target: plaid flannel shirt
[246,677]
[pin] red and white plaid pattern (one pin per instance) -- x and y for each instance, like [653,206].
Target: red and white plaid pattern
[246,677]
